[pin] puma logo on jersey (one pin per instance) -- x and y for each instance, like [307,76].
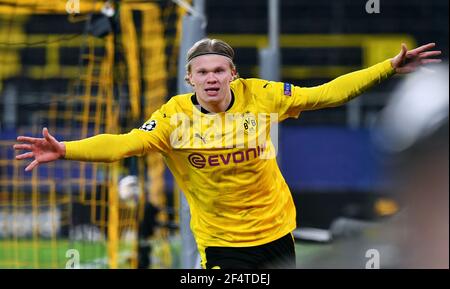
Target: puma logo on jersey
[200,137]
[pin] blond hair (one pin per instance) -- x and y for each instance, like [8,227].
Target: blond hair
[209,46]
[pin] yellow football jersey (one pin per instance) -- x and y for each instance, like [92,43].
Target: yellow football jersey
[225,163]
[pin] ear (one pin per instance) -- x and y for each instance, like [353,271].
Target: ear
[233,74]
[190,79]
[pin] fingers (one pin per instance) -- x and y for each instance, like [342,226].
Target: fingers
[46,134]
[27,139]
[49,137]
[25,156]
[403,51]
[423,48]
[428,61]
[22,147]
[32,165]
[430,54]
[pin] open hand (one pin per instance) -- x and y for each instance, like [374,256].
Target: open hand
[43,150]
[410,60]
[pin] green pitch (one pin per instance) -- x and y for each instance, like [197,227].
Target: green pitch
[45,254]
[48,254]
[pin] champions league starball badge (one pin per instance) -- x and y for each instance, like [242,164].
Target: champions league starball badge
[149,126]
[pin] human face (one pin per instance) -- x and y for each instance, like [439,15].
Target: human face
[211,76]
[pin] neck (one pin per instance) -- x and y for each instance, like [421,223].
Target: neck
[219,106]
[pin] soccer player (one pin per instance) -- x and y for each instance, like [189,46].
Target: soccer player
[216,142]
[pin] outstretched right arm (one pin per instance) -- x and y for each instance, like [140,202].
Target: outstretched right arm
[154,135]
[107,147]
[99,148]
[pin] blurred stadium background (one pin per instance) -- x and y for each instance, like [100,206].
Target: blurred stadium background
[81,74]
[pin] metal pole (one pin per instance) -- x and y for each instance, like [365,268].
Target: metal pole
[274,25]
[193,30]
[199,6]
[10,107]
[269,58]
[354,113]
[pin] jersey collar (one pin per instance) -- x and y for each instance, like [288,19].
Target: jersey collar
[204,110]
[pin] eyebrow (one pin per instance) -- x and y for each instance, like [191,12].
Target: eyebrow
[213,69]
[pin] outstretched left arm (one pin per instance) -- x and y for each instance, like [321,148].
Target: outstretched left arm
[348,86]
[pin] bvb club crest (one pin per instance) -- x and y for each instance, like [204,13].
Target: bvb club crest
[249,123]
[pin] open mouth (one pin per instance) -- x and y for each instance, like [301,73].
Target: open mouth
[212,91]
